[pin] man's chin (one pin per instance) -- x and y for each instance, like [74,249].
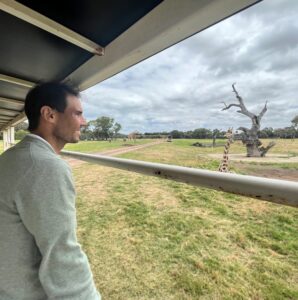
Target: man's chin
[74,140]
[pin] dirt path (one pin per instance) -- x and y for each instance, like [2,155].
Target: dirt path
[250,166]
[269,158]
[128,149]
[268,171]
[75,162]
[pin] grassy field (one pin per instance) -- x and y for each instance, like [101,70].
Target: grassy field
[99,146]
[148,238]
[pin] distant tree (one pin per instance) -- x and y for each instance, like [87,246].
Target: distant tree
[279,133]
[267,132]
[295,126]
[103,128]
[20,134]
[21,126]
[116,128]
[21,130]
[188,134]
[202,133]
[177,134]
[289,132]
[295,122]
[86,132]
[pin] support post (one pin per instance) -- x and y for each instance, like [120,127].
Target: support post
[5,139]
[11,136]
[8,138]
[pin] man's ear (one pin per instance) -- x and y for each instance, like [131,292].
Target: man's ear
[48,114]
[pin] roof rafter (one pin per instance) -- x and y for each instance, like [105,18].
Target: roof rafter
[16,81]
[18,119]
[26,14]
[5,118]
[8,111]
[12,101]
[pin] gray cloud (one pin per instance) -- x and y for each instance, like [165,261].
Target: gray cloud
[183,87]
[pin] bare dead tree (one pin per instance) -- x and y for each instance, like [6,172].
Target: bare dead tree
[250,138]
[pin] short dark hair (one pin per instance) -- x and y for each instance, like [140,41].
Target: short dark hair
[52,94]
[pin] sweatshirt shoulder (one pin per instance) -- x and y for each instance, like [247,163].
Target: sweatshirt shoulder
[42,158]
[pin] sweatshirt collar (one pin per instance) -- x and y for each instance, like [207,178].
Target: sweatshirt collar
[35,136]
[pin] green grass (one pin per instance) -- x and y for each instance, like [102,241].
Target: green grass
[98,146]
[148,238]
[179,152]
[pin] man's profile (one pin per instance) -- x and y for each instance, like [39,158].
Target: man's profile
[40,257]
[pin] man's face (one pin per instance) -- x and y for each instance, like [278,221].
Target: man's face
[69,122]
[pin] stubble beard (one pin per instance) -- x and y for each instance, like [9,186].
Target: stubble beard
[64,138]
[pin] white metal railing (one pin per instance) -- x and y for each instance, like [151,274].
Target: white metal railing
[272,190]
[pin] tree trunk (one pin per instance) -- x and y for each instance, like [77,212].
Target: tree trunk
[252,150]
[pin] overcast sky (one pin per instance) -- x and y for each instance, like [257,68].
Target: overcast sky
[183,87]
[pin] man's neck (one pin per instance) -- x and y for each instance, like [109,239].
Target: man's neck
[52,140]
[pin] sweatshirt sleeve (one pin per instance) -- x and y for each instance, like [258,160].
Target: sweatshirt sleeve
[46,203]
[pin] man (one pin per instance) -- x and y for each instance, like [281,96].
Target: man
[40,257]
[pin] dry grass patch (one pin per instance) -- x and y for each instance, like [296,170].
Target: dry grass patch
[157,196]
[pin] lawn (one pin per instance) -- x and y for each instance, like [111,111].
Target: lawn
[148,238]
[99,146]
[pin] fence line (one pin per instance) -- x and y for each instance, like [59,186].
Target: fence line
[272,190]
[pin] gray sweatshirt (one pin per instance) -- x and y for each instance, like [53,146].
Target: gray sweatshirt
[40,257]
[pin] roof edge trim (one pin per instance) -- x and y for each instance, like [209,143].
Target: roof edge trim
[167,24]
[28,15]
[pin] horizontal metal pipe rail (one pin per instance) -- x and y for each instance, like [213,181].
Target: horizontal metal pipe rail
[272,190]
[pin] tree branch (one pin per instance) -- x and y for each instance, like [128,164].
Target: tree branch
[243,129]
[243,110]
[264,150]
[229,106]
[260,116]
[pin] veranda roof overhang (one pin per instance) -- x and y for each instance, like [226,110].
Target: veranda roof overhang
[89,41]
